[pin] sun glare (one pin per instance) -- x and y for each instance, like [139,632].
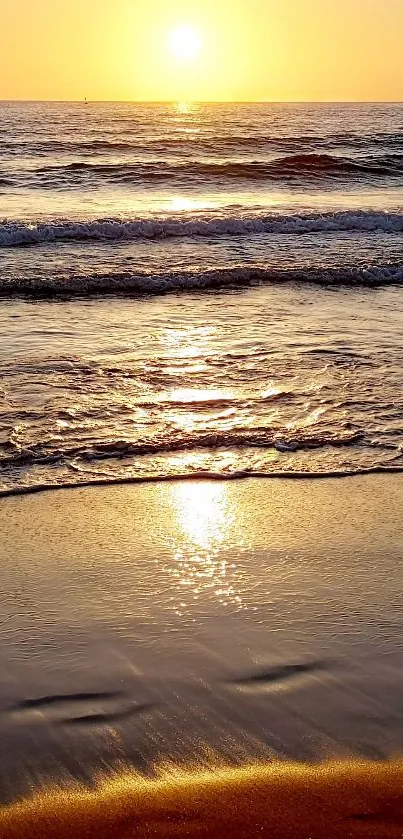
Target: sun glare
[185,43]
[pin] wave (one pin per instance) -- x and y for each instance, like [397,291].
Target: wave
[143,283]
[209,142]
[14,234]
[289,167]
[124,449]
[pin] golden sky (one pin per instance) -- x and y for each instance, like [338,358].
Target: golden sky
[249,50]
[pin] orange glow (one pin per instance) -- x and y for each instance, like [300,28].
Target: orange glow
[273,802]
[189,50]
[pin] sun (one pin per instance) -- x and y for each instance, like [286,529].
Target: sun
[185,43]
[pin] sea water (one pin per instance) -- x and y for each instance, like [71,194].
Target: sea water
[190,289]
[195,291]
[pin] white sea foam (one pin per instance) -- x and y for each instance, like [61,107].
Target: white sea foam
[144,283]
[13,234]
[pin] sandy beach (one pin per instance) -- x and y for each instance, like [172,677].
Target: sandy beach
[282,801]
[197,625]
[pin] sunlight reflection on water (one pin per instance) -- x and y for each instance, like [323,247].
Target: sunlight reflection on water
[205,517]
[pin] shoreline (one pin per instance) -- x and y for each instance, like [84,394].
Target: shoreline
[196,477]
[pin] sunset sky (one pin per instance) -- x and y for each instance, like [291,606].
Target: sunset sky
[238,50]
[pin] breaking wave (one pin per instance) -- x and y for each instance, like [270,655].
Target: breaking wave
[13,233]
[143,283]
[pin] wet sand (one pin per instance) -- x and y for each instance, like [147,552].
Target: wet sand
[160,627]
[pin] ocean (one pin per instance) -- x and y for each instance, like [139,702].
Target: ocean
[199,290]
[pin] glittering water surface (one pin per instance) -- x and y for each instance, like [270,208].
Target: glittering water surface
[271,380]
[107,208]
[187,291]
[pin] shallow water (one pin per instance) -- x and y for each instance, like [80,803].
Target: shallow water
[280,379]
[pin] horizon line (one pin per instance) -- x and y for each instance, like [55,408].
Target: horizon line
[207,101]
